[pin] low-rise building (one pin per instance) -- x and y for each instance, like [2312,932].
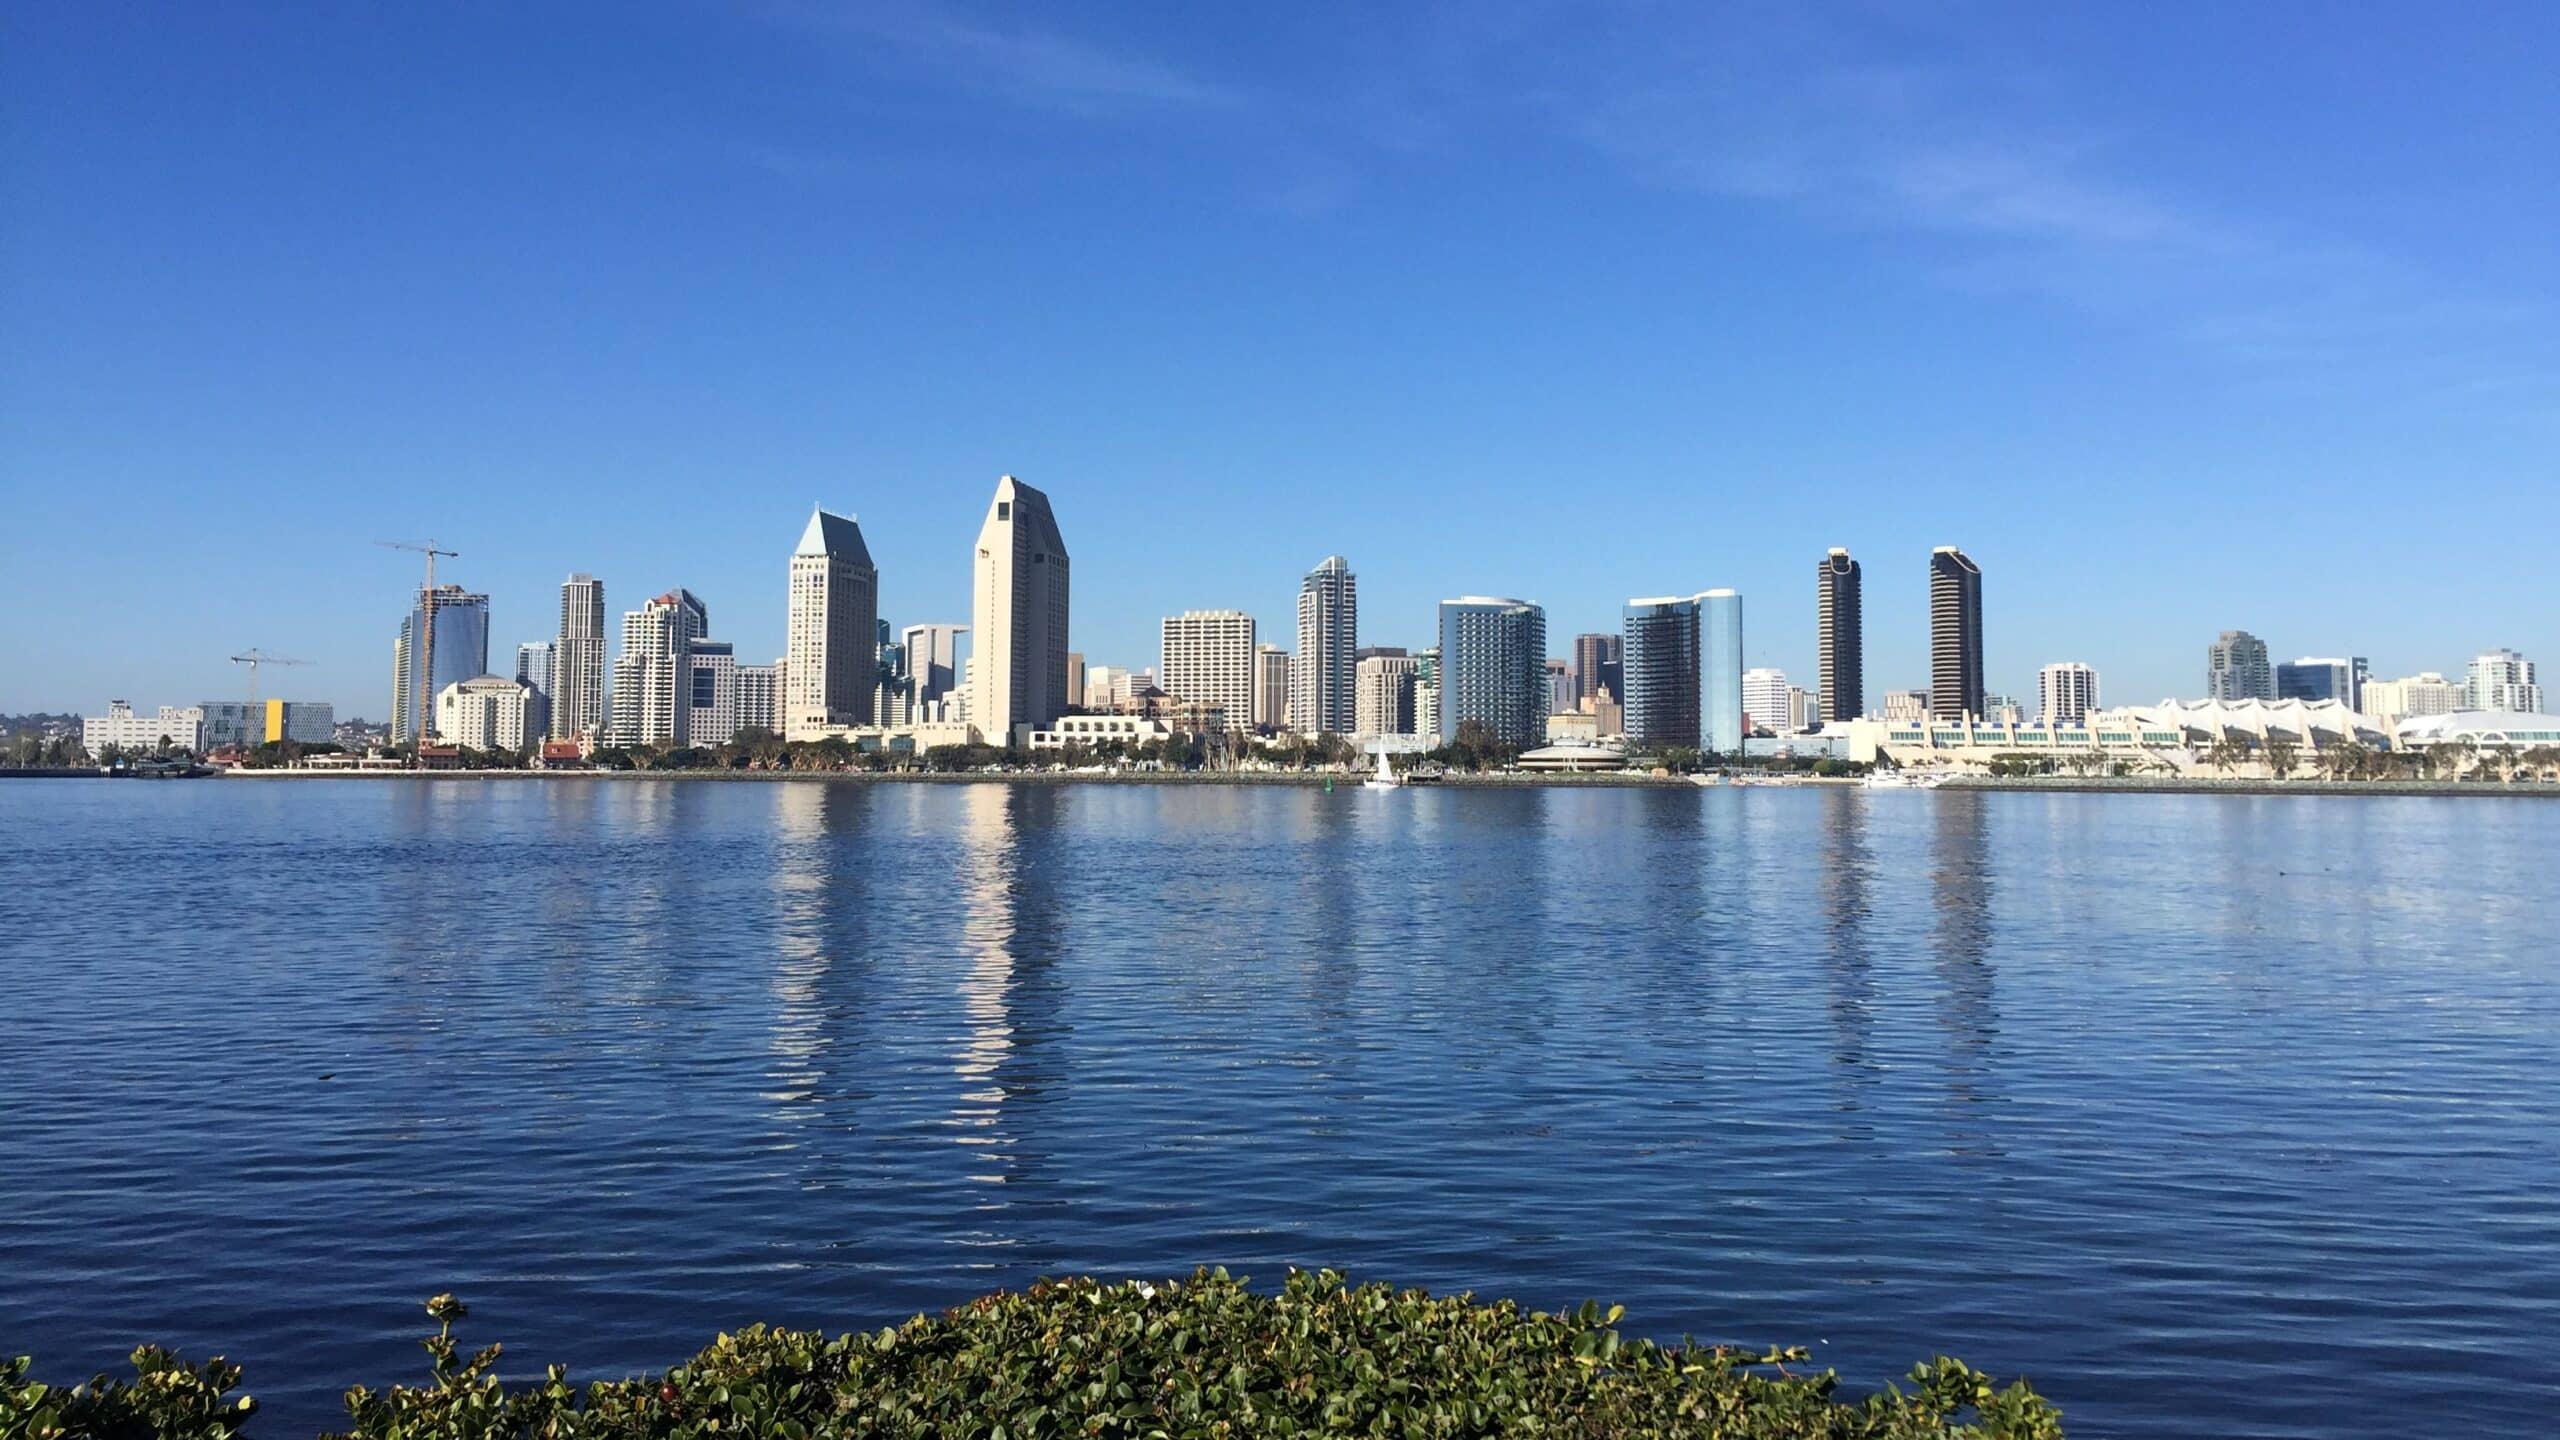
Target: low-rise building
[2173,737]
[1095,731]
[488,712]
[247,724]
[129,730]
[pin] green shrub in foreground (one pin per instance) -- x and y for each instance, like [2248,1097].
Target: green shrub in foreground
[1197,1357]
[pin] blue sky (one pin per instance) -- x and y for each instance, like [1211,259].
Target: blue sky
[2176,317]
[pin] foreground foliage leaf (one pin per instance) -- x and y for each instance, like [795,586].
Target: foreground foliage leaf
[1200,1357]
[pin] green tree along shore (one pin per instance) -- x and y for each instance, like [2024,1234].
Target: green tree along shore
[1198,1357]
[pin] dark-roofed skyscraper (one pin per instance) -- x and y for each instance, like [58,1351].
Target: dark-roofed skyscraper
[1841,672]
[1955,634]
[831,640]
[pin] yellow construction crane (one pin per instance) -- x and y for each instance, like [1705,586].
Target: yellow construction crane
[424,674]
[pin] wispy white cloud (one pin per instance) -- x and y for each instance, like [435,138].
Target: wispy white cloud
[1016,63]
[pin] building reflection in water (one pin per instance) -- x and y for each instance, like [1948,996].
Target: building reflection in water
[1848,876]
[1960,879]
[1010,993]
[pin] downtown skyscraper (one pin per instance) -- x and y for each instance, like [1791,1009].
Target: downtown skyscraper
[2236,668]
[1955,634]
[1018,615]
[1322,694]
[1208,660]
[577,660]
[830,657]
[653,676]
[1492,669]
[1840,675]
[461,652]
[1599,664]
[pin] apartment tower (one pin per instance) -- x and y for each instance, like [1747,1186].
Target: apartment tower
[1320,686]
[1955,634]
[1208,660]
[1840,679]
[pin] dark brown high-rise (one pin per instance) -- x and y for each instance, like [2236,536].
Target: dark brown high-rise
[1598,666]
[1841,681]
[1955,634]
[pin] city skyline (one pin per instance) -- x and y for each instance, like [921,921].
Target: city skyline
[2051,281]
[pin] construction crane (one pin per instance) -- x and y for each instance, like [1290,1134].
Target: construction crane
[253,659]
[424,674]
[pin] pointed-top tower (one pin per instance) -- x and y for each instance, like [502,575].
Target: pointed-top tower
[830,650]
[1018,615]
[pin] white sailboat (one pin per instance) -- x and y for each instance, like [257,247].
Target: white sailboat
[1385,779]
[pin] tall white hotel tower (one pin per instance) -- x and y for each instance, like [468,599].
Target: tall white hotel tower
[831,645]
[1018,614]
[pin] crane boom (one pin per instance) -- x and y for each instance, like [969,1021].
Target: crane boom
[255,658]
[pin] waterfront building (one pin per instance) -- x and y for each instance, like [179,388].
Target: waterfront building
[1906,704]
[2483,729]
[1840,680]
[1720,671]
[1096,731]
[577,664]
[1320,684]
[2066,691]
[2390,701]
[1579,727]
[248,724]
[1765,703]
[711,714]
[1208,658]
[831,631]
[2319,678]
[758,698]
[130,731]
[1270,688]
[2502,680]
[461,653]
[1385,701]
[1598,664]
[1662,672]
[1018,615]
[652,699]
[1492,668]
[489,713]
[2172,738]
[1955,634]
[2236,668]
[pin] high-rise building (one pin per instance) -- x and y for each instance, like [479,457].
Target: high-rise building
[1561,691]
[2236,668]
[577,665]
[1426,694]
[831,637]
[1270,688]
[2315,677]
[1493,668]
[1208,659]
[1075,679]
[1598,662]
[1683,671]
[1018,615]
[933,667]
[2066,691]
[2388,702]
[652,699]
[1720,671]
[534,661]
[1840,676]
[2503,680]
[1765,703]
[759,698]
[1385,683]
[1804,709]
[1320,693]
[1906,705]
[1955,634]
[711,712]
[461,653]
